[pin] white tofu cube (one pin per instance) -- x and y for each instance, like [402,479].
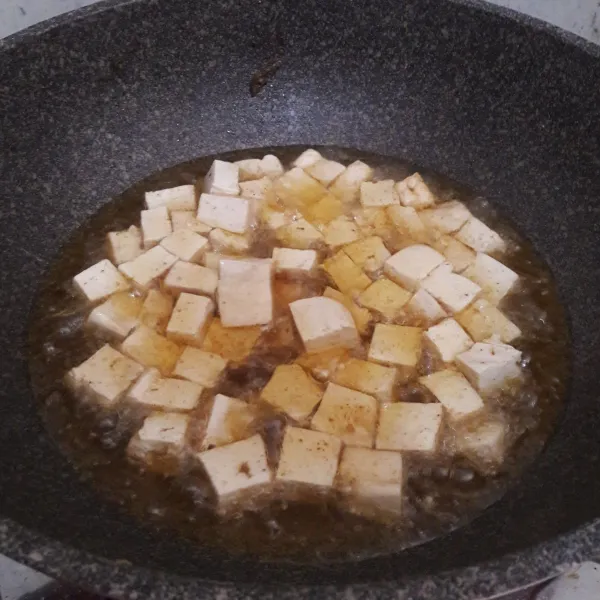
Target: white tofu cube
[185,245]
[182,197]
[322,364]
[447,339]
[229,421]
[325,171]
[307,158]
[227,242]
[446,218]
[148,267]
[477,235]
[345,274]
[105,376]
[191,278]
[456,253]
[370,378]
[414,192]
[271,166]
[490,367]
[100,281]
[241,280]
[410,427]
[296,189]
[484,321]
[118,315]
[454,292]
[292,391]
[156,310]
[186,219]
[190,319]
[298,234]
[484,445]
[341,231]
[294,262]
[385,298]
[396,345]
[225,212]
[169,394]
[249,169]
[369,253]
[408,223]
[361,316]
[348,415]
[156,225]
[261,191]
[411,265]
[347,186]
[151,349]
[200,367]
[146,380]
[424,309]
[222,178]
[308,457]
[124,246]
[232,343]
[323,324]
[495,279]
[237,468]
[454,393]
[374,221]
[378,193]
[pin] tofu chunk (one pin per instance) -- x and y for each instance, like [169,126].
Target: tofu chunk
[105,376]
[414,192]
[225,212]
[169,394]
[446,340]
[260,191]
[341,231]
[323,324]
[229,421]
[151,349]
[273,219]
[200,367]
[232,343]
[424,309]
[411,265]
[323,364]
[118,315]
[454,292]
[325,171]
[100,281]
[456,253]
[495,279]
[379,193]
[186,219]
[124,246]
[483,321]
[271,166]
[149,266]
[448,217]
[299,234]
[370,378]
[307,158]
[156,311]
[361,316]
[240,281]
[385,298]
[191,278]
[490,367]
[410,427]
[296,189]
[308,457]
[249,169]
[346,275]
[325,210]
[229,243]
[396,345]
[369,253]
[484,445]
[156,225]
[374,221]
[190,319]
[222,178]
[292,391]
[186,245]
[294,262]
[136,392]
[454,393]
[182,197]
[477,235]
[348,415]
[408,224]
[347,186]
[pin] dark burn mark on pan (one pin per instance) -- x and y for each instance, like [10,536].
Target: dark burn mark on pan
[261,77]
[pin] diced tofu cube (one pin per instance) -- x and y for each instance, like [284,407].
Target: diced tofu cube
[369,253]
[299,234]
[323,364]
[182,197]
[490,367]
[374,221]
[237,468]
[347,185]
[186,219]
[477,235]
[345,274]
[297,189]
[424,308]
[341,231]
[324,323]
[151,349]
[396,345]
[200,367]
[186,245]
[484,445]
[169,394]
[408,223]
[307,158]
[454,393]
[148,267]
[370,378]
[105,376]
[446,340]
[446,218]
[325,210]
[273,219]
[495,279]
[100,281]
[379,193]
[414,192]
[410,427]
[147,379]
[483,321]
[225,212]
[190,319]
[291,390]
[118,315]
[348,415]
[191,278]
[309,457]
[240,281]
[229,421]
[249,169]
[232,343]
[325,171]
[260,191]
[156,225]
[294,262]
[361,316]
[456,253]
[385,298]
[226,242]
[222,178]
[124,246]
[411,265]
[271,166]
[156,310]
[454,292]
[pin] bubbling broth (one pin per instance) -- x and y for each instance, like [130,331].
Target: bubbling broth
[433,390]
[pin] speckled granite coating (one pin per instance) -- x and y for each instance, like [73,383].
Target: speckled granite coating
[93,102]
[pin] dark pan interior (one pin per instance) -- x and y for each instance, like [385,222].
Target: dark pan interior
[92,106]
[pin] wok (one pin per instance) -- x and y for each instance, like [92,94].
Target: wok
[93,102]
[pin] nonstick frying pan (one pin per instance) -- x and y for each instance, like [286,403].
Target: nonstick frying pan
[95,101]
